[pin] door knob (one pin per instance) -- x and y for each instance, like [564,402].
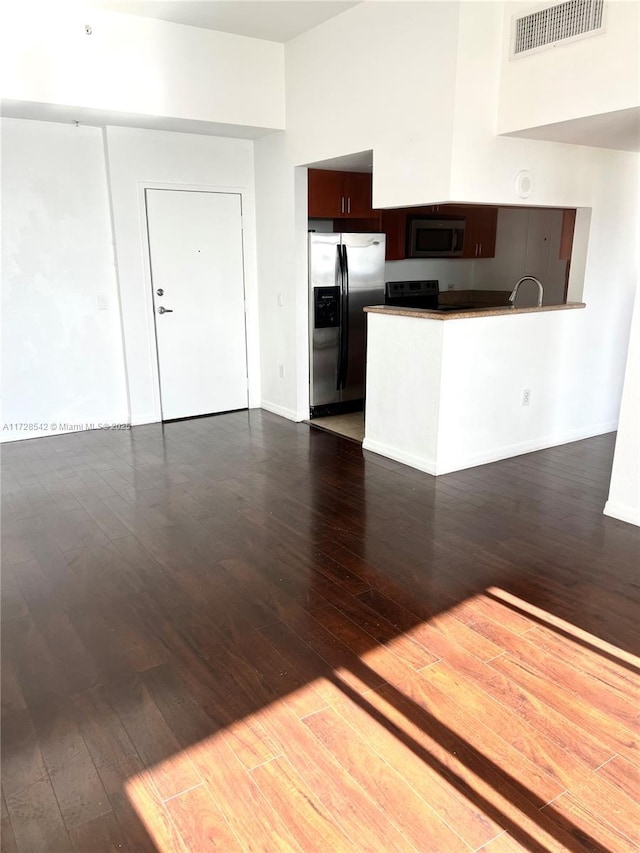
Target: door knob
[162,310]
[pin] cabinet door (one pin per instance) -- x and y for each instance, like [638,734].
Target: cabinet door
[357,192]
[394,225]
[480,232]
[486,226]
[326,199]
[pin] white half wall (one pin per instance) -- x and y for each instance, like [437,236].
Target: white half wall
[148,158]
[62,356]
[140,66]
[404,375]
[444,395]
[482,418]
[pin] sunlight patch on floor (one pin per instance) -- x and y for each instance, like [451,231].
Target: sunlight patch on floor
[549,619]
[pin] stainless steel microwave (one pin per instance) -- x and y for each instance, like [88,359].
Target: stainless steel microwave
[435,238]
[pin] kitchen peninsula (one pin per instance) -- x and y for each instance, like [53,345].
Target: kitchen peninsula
[447,391]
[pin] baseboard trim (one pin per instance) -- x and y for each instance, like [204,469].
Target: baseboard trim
[623,512]
[283,412]
[531,446]
[437,469]
[410,459]
[146,418]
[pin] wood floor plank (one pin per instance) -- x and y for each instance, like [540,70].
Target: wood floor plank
[512,706]
[569,813]
[39,674]
[225,691]
[438,696]
[309,822]
[160,832]
[386,664]
[78,789]
[156,744]
[121,769]
[624,679]
[22,760]
[559,670]
[7,838]
[400,803]
[448,793]
[504,843]
[10,691]
[354,811]
[247,811]
[334,652]
[568,770]
[572,707]
[101,835]
[498,795]
[200,822]
[623,774]
[414,655]
[36,820]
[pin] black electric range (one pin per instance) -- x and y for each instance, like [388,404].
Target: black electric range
[418,294]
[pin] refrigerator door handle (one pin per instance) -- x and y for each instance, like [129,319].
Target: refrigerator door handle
[341,317]
[345,278]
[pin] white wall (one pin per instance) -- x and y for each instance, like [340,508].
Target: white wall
[139,158]
[379,76]
[62,357]
[281,205]
[136,65]
[527,243]
[594,75]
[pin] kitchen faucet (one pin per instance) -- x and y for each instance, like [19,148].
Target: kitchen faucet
[514,292]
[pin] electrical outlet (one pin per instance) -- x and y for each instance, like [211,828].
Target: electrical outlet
[281,371]
[103,302]
[526,396]
[451,287]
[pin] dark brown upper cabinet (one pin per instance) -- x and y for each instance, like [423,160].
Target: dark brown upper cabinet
[339,195]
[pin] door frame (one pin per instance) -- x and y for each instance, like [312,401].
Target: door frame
[250,293]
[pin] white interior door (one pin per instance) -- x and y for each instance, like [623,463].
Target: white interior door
[195,244]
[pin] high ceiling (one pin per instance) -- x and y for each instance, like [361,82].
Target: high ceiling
[274,20]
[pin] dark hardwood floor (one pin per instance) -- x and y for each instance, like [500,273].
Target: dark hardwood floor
[240,633]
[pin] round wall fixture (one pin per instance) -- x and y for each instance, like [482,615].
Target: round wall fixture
[524,183]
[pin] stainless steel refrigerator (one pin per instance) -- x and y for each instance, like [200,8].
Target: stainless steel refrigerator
[346,272]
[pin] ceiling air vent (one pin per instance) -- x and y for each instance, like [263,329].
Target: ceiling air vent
[569,20]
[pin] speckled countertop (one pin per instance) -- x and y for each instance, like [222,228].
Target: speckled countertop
[464,314]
